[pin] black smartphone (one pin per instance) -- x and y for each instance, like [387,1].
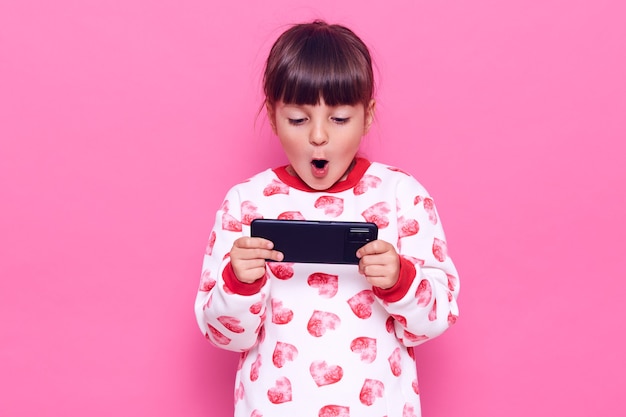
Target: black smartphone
[311,241]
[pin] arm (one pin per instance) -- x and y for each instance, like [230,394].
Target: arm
[423,301]
[230,312]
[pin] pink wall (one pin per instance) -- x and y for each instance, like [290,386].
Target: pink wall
[122,124]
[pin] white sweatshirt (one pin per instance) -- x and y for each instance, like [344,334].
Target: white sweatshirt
[317,340]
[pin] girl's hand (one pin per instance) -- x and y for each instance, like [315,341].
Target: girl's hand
[248,255]
[380,264]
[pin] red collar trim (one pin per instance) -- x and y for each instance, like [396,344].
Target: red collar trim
[354,177]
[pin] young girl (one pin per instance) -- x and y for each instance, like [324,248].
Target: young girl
[315,339]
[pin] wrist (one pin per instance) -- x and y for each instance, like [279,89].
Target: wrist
[406,275]
[236,286]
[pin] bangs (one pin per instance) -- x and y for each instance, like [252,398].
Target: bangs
[320,66]
[322,73]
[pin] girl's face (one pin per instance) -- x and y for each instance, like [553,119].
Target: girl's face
[320,141]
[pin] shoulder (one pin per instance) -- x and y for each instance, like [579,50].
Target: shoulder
[392,176]
[261,183]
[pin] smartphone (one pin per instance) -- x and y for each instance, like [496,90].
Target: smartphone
[311,241]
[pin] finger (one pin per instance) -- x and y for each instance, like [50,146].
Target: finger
[256,254]
[382,276]
[381,282]
[248,270]
[249,275]
[247,263]
[373,271]
[379,265]
[253,243]
[377,259]
[372,248]
[276,256]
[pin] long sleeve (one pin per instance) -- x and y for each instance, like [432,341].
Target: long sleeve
[429,305]
[229,319]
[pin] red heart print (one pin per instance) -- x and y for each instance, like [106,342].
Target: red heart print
[225,206]
[249,212]
[394,362]
[334,411]
[216,336]
[211,244]
[275,187]
[333,206]
[281,270]
[414,338]
[326,284]
[371,390]
[394,169]
[413,260]
[440,249]
[280,314]
[230,223]
[415,387]
[407,227]
[452,282]
[239,392]
[283,352]
[324,374]
[291,215]
[400,319]
[321,321]
[389,325]
[452,318]
[432,315]
[281,392]
[424,293]
[361,304]
[231,323]
[365,347]
[378,214]
[242,359]
[411,351]
[365,183]
[254,369]
[256,307]
[409,410]
[206,281]
[429,206]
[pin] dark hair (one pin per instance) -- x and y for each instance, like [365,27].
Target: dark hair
[313,61]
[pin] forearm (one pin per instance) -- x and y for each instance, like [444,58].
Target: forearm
[427,303]
[428,307]
[228,319]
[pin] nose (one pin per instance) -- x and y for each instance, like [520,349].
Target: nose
[318,135]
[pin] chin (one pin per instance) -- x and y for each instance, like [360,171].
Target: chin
[319,185]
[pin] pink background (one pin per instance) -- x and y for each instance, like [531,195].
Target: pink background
[123,123]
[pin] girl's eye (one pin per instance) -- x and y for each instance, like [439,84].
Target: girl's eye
[296,122]
[340,120]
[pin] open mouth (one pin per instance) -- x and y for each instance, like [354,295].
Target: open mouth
[319,163]
[319,168]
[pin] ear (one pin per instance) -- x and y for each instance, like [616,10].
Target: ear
[369,114]
[271,115]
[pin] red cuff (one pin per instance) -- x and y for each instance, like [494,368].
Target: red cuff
[405,279]
[238,287]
